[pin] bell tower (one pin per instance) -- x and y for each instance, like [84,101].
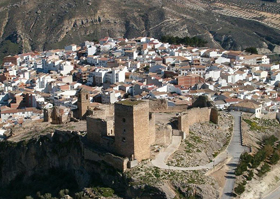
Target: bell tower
[83,103]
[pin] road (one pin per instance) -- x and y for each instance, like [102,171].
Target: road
[235,149]
[274,194]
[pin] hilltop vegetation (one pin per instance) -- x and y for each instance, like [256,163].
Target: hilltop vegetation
[190,41]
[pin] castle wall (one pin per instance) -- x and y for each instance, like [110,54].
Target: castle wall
[152,128]
[269,116]
[214,116]
[117,162]
[96,128]
[163,135]
[158,105]
[192,116]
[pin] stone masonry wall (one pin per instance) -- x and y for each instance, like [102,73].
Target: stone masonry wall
[124,127]
[158,105]
[163,134]
[115,161]
[132,136]
[214,116]
[96,128]
[141,131]
[192,116]
[152,128]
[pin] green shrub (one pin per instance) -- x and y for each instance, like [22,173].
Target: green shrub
[239,189]
[246,157]
[191,41]
[253,125]
[241,168]
[274,158]
[252,50]
[264,169]
[268,150]
[258,158]
[105,192]
[270,140]
[250,175]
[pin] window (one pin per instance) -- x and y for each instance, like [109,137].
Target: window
[123,120]
[124,131]
[123,139]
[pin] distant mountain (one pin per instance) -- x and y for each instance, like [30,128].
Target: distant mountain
[45,24]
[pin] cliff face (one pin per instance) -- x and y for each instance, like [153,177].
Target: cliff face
[38,156]
[56,156]
[38,25]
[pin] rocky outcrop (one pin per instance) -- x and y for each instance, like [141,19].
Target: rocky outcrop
[63,151]
[39,155]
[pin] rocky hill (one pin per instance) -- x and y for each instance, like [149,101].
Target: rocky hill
[50,163]
[232,24]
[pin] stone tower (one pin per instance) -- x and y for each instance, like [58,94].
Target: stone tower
[132,138]
[83,103]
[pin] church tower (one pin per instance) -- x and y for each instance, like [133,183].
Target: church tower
[83,103]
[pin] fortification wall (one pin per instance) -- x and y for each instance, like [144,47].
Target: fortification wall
[269,116]
[96,128]
[117,162]
[163,135]
[192,116]
[152,128]
[214,116]
[158,105]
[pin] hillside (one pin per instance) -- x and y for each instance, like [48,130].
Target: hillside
[41,25]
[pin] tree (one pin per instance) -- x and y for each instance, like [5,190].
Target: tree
[270,140]
[193,41]
[274,158]
[258,158]
[250,175]
[146,68]
[264,169]
[241,168]
[246,157]
[239,189]
[251,50]
[268,150]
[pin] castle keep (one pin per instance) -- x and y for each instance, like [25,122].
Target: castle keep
[127,132]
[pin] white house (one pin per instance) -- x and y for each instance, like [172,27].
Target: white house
[72,47]
[248,106]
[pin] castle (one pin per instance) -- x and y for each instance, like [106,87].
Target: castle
[128,131]
[122,134]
